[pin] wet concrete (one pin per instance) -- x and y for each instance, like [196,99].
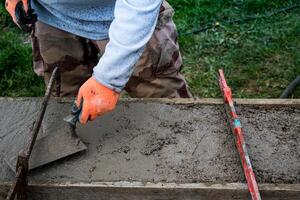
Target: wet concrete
[157,142]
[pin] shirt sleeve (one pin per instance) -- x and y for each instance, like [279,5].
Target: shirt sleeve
[131,29]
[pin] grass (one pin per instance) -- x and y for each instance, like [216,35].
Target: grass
[259,57]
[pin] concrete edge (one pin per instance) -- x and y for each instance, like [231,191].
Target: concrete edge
[177,101]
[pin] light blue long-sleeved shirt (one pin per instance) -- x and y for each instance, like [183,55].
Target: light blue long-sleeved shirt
[129,25]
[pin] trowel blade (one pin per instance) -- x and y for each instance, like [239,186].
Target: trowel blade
[52,147]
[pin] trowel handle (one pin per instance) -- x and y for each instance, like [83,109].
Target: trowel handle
[76,110]
[75,113]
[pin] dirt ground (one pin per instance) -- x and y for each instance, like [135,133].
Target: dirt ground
[157,142]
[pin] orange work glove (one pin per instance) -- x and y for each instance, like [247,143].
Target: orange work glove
[22,13]
[97,100]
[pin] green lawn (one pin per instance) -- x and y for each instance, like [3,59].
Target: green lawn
[260,57]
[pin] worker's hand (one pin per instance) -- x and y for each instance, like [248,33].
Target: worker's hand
[21,13]
[97,100]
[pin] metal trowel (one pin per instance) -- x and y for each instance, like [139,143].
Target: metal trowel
[56,140]
[58,144]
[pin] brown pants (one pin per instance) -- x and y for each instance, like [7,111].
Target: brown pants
[155,75]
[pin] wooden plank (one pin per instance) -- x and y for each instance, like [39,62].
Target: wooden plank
[158,191]
[212,101]
[179,101]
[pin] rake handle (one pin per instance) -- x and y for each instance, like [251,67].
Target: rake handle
[239,135]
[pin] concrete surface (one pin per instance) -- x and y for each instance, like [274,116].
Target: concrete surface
[155,141]
[184,149]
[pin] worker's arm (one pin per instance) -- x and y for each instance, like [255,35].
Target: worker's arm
[131,29]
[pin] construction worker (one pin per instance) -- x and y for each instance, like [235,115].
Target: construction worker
[137,41]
